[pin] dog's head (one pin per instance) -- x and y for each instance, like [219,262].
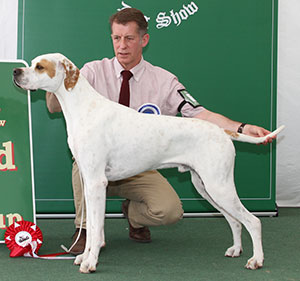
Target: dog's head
[47,72]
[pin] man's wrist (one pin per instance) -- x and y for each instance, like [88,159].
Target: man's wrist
[241,128]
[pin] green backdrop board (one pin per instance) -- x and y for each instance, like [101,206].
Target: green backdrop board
[16,170]
[223,51]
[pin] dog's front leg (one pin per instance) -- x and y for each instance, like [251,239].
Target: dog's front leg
[95,192]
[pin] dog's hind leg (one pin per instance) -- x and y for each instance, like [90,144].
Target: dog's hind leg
[223,194]
[235,225]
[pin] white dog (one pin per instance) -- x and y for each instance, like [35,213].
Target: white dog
[122,143]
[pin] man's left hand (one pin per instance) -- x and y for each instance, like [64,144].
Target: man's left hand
[256,131]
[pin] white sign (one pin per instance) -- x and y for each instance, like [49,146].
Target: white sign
[164,19]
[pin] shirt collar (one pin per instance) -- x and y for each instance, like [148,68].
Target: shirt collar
[137,71]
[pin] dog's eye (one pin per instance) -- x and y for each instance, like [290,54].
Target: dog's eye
[39,67]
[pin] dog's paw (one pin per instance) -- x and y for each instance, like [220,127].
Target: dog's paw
[254,263]
[78,260]
[234,251]
[87,267]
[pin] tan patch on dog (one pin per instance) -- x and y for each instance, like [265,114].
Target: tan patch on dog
[46,66]
[72,75]
[233,134]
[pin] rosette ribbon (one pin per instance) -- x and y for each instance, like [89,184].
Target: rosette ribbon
[24,238]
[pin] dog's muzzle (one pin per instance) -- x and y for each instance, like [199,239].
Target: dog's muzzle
[17,75]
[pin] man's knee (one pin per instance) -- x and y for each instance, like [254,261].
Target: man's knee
[168,213]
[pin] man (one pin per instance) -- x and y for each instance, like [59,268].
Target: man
[150,200]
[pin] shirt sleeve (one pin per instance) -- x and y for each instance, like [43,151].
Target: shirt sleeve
[180,101]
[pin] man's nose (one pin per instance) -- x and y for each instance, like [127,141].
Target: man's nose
[123,43]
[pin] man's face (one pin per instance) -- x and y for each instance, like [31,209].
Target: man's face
[128,44]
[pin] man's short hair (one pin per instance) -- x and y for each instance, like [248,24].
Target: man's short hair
[128,15]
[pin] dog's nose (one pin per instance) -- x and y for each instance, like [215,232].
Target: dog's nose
[17,72]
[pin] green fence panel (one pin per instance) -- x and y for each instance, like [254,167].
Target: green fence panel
[223,51]
[16,170]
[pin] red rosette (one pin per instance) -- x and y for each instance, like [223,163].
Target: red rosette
[23,238]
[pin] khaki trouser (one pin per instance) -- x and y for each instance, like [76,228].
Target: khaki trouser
[153,201]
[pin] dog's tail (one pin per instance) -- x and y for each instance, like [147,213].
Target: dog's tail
[250,139]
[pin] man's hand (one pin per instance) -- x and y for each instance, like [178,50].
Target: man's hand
[256,131]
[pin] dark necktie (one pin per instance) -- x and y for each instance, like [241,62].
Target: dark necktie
[124,92]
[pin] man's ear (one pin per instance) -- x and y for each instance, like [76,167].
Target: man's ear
[145,40]
[72,74]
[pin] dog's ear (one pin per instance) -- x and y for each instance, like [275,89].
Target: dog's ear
[72,74]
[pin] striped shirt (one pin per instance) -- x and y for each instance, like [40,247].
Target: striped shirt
[152,89]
